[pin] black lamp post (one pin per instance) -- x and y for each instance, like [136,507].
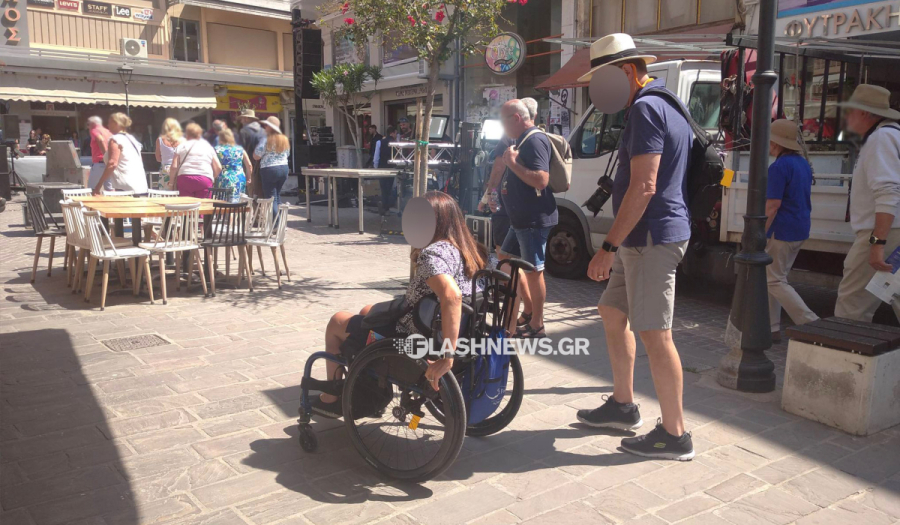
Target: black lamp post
[125,72]
[746,367]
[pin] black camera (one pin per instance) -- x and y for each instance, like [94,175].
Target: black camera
[601,195]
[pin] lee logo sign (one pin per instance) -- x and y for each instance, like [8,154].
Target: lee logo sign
[120,11]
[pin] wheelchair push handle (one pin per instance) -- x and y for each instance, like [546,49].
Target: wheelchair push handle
[518,264]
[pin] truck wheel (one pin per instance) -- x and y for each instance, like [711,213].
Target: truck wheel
[567,253]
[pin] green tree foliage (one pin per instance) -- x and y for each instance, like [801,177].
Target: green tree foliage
[341,87]
[435,30]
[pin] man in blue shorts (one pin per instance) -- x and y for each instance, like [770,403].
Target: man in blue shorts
[529,203]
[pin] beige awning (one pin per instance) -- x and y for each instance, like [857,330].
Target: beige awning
[27,88]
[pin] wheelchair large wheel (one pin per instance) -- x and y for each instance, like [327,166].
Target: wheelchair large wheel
[501,419]
[397,437]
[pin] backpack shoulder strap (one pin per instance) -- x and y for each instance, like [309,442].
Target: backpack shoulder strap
[699,132]
[528,136]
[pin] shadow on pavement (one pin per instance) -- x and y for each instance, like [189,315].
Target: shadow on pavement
[58,463]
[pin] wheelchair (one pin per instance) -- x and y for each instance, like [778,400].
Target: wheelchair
[398,423]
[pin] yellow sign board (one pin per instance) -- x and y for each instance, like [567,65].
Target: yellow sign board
[255,101]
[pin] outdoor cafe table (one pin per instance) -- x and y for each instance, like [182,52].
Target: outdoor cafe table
[120,208]
[343,173]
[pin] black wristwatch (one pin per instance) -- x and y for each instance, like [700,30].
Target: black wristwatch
[876,241]
[607,247]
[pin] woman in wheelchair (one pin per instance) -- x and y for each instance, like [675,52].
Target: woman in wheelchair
[444,268]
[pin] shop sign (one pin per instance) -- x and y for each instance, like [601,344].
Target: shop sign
[16,23]
[71,5]
[143,14]
[121,11]
[505,53]
[97,8]
[242,101]
[40,3]
[412,91]
[858,19]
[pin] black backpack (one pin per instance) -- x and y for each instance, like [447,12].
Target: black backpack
[705,167]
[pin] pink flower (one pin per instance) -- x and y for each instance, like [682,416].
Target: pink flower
[345,8]
[523,2]
[349,21]
[424,23]
[425,7]
[346,73]
[411,19]
[439,16]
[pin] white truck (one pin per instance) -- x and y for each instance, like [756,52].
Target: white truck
[716,237]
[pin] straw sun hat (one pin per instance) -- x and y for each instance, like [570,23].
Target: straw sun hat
[874,99]
[784,133]
[613,49]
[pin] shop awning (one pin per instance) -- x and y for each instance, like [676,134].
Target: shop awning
[567,76]
[266,8]
[27,88]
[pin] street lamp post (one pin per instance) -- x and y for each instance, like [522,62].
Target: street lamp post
[125,72]
[746,367]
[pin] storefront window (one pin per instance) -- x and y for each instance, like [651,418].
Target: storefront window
[185,40]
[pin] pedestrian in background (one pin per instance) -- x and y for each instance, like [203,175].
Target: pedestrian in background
[529,203]
[124,165]
[43,146]
[99,139]
[236,168]
[874,200]
[381,155]
[216,127]
[272,153]
[405,131]
[169,139]
[195,166]
[641,252]
[374,137]
[249,137]
[788,209]
[33,139]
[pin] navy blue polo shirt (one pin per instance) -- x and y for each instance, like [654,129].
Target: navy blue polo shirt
[790,181]
[653,125]
[528,207]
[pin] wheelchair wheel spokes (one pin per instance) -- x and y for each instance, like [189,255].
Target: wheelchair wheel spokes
[387,433]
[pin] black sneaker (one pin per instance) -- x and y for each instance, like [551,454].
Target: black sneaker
[612,414]
[660,444]
[331,410]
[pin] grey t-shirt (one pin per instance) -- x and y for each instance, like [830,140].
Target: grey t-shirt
[653,125]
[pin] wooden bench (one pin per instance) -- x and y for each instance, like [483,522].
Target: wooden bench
[845,374]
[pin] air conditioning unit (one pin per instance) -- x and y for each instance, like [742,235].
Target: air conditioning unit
[133,48]
[423,69]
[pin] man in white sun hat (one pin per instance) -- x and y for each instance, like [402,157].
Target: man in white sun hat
[641,252]
[874,199]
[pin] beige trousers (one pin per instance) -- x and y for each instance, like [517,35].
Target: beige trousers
[782,294]
[854,301]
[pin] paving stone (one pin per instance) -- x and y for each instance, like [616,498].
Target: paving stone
[136,425]
[529,484]
[771,506]
[156,405]
[145,465]
[233,423]
[115,500]
[158,511]
[222,517]
[578,512]
[885,498]
[875,463]
[850,512]
[733,488]
[219,447]
[824,486]
[556,497]
[70,483]
[625,502]
[687,508]
[276,506]
[463,506]
[682,479]
[164,439]
[180,480]
[351,513]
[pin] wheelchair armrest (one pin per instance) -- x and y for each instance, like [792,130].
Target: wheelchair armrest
[518,264]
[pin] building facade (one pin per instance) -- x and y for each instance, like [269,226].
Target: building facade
[191,59]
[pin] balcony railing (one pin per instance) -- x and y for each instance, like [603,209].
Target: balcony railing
[137,63]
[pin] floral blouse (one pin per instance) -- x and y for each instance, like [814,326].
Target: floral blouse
[270,158]
[440,258]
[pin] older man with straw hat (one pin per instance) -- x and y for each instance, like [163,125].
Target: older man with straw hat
[874,199]
[788,210]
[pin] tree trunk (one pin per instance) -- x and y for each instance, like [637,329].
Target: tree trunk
[422,131]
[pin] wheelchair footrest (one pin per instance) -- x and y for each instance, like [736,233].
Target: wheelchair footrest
[334,387]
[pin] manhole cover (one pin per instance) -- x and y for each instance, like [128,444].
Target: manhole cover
[124,344]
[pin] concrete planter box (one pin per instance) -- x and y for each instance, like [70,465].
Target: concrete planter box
[855,393]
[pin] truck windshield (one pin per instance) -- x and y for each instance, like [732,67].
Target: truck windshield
[704,104]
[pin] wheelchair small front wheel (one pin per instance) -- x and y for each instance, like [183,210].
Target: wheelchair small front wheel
[308,440]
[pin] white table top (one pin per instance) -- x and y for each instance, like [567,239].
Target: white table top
[349,173]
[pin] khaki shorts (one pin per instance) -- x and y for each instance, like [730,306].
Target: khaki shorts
[642,284]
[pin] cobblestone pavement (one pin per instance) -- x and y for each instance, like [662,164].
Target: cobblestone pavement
[202,429]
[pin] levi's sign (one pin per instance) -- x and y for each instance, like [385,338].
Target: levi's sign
[71,5]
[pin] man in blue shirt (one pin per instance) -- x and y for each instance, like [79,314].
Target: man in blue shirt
[641,252]
[529,203]
[788,211]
